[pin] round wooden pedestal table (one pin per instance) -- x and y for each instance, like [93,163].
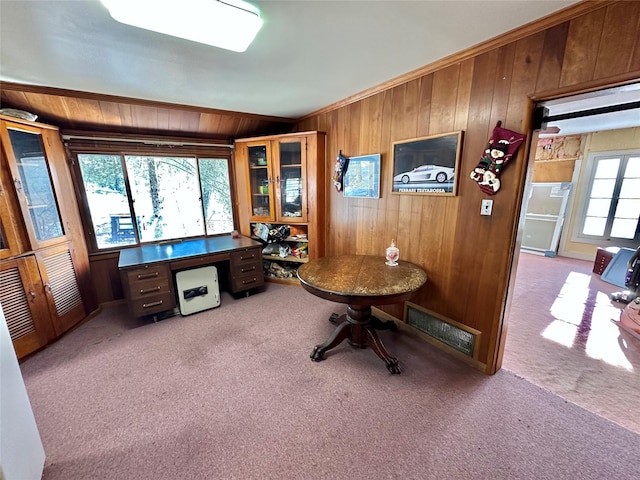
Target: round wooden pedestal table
[360,281]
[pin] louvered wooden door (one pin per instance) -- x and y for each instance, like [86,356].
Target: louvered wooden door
[61,286]
[25,306]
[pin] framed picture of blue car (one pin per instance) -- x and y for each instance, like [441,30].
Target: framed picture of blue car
[362,178]
[427,165]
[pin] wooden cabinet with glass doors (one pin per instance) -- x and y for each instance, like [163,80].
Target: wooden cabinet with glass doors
[44,265]
[281,192]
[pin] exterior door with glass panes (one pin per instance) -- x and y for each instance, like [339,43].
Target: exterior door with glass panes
[290,171]
[34,185]
[261,183]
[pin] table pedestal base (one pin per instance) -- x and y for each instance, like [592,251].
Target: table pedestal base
[358,327]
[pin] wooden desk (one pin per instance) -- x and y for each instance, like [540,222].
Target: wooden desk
[147,271]
[360,281]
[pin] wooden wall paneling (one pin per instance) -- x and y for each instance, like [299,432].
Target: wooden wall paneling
[360,207]
[164,119]
[443,100]
[400,128]
[351,148]
[209,122]
[463,95]
[339,207]
[17,98]
[86,108]
[146,117]
[555,40]
[405,121]
[126,115]
[369,141]
[502,87]
[231,125]
[105,277]
[526,66]
[72,110]
[619,39]
[442,213]
[50,109]
[471,253]
[583,44]
[190,121]
[423,106]
[111,113]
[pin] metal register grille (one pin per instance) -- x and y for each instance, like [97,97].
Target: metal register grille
[462,340]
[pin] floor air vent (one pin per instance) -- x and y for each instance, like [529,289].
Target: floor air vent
[453,334]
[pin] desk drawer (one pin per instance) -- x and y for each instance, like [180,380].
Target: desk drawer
[153,304]
[246,269]
[148,273]
[148,288]
[245,282]
[247,256]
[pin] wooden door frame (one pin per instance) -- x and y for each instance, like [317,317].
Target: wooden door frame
[495,361]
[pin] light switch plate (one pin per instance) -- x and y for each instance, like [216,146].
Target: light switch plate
[487,207]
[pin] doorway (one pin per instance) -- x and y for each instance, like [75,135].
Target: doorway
[560,334]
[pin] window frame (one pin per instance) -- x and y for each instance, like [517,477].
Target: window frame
[167,147]
[588,179]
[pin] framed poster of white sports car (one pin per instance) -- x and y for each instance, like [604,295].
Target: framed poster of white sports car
[427,165]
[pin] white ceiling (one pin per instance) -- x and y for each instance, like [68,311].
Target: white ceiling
[308,55]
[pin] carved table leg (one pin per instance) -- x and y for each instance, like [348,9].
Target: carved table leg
[383,324]
[358,326]
[339,334]
[376,345]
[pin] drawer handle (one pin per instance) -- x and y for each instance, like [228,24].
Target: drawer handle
[247,282]
[253,255]
[152,304]
[142,276]
[149,290]
[242,270]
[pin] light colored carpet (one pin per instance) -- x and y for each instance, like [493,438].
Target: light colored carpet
[561,337]
[231,393]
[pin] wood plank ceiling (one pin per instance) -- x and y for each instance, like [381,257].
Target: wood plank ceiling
[81,111]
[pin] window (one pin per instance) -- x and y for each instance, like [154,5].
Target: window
[611,212]
[134,198]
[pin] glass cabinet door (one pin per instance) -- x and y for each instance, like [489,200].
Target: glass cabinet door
[5,250]
[290,176]
[260,182]
[34,186]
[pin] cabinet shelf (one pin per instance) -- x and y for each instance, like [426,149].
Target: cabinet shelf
[288,239]
[288,258]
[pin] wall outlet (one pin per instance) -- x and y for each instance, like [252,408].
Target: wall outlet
[487,207]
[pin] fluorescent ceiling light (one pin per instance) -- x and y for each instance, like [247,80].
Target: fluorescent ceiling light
[228,24]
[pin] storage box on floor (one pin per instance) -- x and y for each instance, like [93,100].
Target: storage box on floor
[197,289]
[603,258]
